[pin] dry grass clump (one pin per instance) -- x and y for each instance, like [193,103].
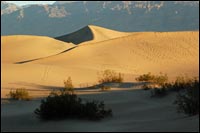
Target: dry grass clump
[19,94]
[105,88]
[110,76]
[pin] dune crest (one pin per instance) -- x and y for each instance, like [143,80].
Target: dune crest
[137,53]
[170,52]
[91,34]
[20,48]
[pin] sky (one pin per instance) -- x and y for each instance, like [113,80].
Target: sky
[21,3]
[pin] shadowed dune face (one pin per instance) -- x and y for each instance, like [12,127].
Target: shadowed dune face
[82,35]
[91,34]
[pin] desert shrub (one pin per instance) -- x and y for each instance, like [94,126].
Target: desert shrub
[146,87]
[187,100]
[155,83]
[161,79]
[105,88]
[181,83]
[95,110]
[19,94]
[158,92]
[156,79]
[109,76]
[145,77]
[68,86]
[70,106]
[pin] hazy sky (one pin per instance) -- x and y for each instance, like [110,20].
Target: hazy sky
[30,2]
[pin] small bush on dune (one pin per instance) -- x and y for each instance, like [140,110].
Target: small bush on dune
[187,100]
[109,76]
[69,88]
[161,79]
[65,104]
[70,106]
[146,87]
[181,83]
[156,79]
[105,88]
[145,77]
[19,94]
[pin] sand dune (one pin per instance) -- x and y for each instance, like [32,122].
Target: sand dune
[21,48]
[173,53]
[46,62]
[170,52]
[91,34]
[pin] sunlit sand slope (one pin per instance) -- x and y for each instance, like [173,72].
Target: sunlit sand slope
[173,53]
[22,48]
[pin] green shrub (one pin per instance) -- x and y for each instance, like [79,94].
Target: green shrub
[19,94]
[187,100]
[70,106]
[109,76]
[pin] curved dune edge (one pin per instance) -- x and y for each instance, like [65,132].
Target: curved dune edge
[19,48]
[173,53]
[134,110]
[91,34]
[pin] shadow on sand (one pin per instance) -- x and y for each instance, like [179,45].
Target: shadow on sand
[82,35]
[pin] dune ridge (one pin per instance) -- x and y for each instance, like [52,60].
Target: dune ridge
[157,49]
[91,34]
[43,63]
[18,48]
[133,54]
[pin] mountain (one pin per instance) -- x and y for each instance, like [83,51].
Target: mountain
[63,2]
[64,17]
[7,8]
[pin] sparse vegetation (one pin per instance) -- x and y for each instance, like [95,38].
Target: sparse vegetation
[146,87]
[19,94]
[65,104]
[154,81]
[109,76]
[181,83]
[187,100]
[145,78]
[105,88]
[69,88]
